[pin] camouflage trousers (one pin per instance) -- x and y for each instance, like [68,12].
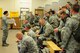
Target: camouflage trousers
[5,35]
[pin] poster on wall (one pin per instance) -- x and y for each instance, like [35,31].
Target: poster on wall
[0,12]
[14,14]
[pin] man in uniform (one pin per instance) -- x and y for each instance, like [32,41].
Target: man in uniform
[27,44]
[47,16]
[25,22]
[36,20]
[68,41]
[64,17]
[5,29]
[53,20]
[30,32]
[69,6]
[31,18]
[47,31]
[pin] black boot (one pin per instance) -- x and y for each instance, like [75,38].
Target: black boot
[4,44]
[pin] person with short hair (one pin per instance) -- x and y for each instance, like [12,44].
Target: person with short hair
[31,18]
[30,32]
[69,44]
[47,16]
[26,44]
[46,32]
[64,18]
[5,28]
[53,20]
[69,6]
[36,20]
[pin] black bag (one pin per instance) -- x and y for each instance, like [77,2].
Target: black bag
[76,34]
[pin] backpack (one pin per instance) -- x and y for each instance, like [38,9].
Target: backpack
[76,34]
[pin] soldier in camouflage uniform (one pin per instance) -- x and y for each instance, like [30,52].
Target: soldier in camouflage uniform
[25,22]
[31,18]
[63,20]
[30,32]
[47,16]
[47,31]
[36,20]
[5,29]
[71,25]
[26,44]
[53,20]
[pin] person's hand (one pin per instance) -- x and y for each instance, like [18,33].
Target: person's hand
[17,41]
[37,35]
[14,24]
[63,51]
[37,32]
[56,30]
